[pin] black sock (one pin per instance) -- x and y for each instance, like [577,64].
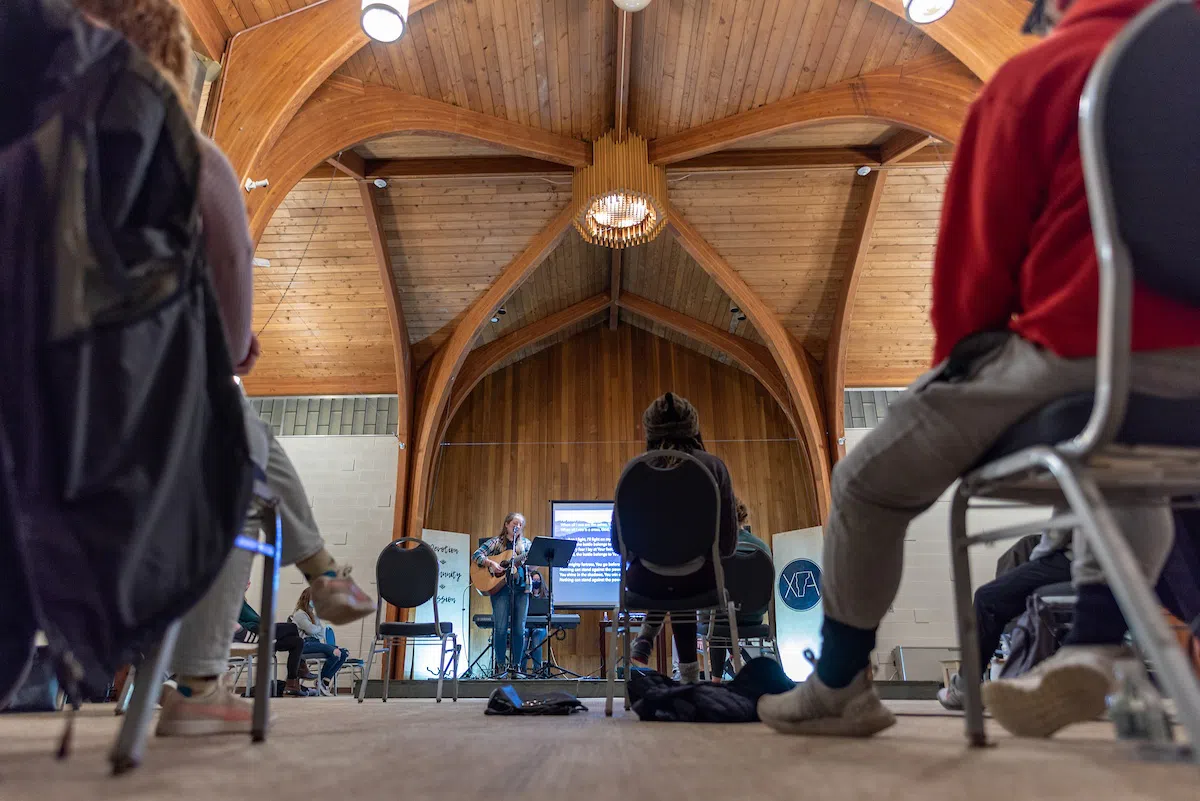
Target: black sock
[845,651]
[1098,619]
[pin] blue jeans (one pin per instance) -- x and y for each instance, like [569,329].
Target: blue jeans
[536,638]
[335,657]
[508,620]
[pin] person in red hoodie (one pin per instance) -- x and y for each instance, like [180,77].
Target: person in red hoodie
[1015,306]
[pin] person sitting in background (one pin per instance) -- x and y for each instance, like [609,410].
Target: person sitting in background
[205,705]
[537,589]
[671,423]
[287,638]
[747,543]
[1003,598]
[1015,313]
[313,628]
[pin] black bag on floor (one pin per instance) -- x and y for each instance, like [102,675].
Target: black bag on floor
[661,698]
[40,691]
[125,466]
[507,701]
[1036,635]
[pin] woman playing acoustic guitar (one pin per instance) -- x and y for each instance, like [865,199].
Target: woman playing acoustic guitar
[505,554]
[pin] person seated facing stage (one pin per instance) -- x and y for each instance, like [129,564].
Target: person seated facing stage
[511,604]
[746,543]
[671,423]
[1004,598]
[313,628]
[287,638]
[537,589]
[1015,309]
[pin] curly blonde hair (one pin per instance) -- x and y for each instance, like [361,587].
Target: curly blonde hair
[158,29]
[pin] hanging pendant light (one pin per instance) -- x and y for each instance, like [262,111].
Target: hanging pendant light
[923,12]
[384,20]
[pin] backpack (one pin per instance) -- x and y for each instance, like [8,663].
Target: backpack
[1036,635]
[124,473]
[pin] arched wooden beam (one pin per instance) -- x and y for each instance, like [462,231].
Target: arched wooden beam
[344,112]
[272,68]
[835,355]
[450,357]
[798,376]
[481,360]
[402,353]
[208,28]
[982,35]
[930,95]
[754,357]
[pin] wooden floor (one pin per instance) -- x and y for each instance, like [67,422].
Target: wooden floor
[335,749]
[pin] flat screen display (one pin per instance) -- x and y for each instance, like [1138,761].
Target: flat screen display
[590,581]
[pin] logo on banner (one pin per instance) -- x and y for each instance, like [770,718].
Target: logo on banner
[800,584]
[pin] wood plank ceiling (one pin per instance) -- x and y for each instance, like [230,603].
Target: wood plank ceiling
[549,64]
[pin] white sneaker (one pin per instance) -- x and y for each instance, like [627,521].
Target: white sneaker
[813,708]
[1069,687]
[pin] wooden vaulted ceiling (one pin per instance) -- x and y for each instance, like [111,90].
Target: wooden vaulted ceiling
[320,304]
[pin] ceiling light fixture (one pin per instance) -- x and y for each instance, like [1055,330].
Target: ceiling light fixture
[923,12]
[384,20]
[380,183]
[631,5]
[620,198]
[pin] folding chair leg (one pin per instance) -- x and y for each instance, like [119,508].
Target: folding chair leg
[1135,596]
[612,663]
[362,686]
[628,662]
[126,691]
[968,635]
[735,642]
[441,669]
[712,670]
[266,631]
[387,668]
[131,740]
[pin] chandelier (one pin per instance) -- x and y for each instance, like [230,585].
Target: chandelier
[620,199]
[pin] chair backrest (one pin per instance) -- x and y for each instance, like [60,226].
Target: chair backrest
[330,637]
[407,577]
[667,508]
[1138,127]
[750,578]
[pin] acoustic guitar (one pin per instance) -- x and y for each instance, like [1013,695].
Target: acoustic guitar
[486,582]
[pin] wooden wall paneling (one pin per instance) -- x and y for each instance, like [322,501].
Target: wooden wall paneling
[798,375]
[534,432]
[343,113]
[929,95]
[410,145]
[615,289]
[835,358]
[837,134]
[320,309]
[890,338]
[902,145]
[454,351]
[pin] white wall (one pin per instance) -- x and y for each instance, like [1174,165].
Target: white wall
[923,612]
[351,486]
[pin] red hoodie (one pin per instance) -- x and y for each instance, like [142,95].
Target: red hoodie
[1015,246]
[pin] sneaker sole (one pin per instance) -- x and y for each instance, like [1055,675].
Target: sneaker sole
[835,727]
[1071,694]
[201,728]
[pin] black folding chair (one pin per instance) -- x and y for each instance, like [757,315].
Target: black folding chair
[750,577]
[408,577]
[667,511]
[1139,122]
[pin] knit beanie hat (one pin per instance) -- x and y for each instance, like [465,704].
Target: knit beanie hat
[671,417]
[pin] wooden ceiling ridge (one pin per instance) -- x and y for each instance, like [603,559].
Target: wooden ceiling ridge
[793,365]
[930,95]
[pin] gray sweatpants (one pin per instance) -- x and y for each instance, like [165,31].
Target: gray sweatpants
[937,431]
[207,629]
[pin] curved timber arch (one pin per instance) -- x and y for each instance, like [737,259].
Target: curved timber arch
[343,113]
[930,95]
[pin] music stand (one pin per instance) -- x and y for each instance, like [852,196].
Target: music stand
[551,553]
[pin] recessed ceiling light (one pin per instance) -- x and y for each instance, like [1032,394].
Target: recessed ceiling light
[495,319]
[923,12]
[863,170]
[379,182]
[384,20]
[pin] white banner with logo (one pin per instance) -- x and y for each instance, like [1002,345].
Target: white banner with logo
[798,607]
[453,552]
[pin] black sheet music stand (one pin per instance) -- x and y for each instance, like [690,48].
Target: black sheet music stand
[550,552]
